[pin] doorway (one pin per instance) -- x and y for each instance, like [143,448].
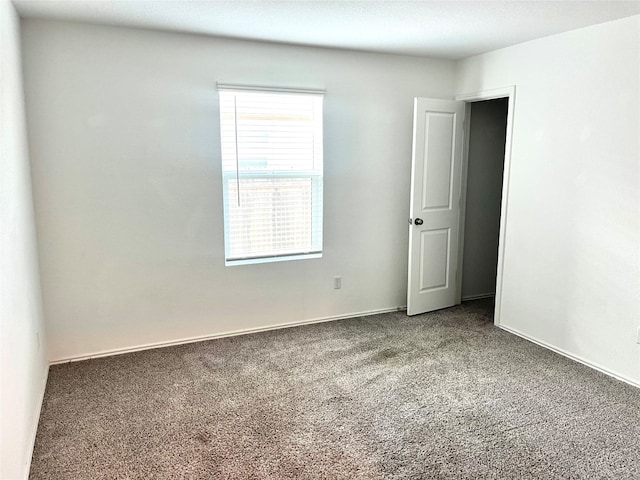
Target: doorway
[505,94]
[487,130]
[438,199]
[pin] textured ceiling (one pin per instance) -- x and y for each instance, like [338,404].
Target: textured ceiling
[445,29]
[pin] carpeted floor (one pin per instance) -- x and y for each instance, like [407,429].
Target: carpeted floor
[441,395]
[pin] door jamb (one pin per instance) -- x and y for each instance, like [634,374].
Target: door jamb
[505,92]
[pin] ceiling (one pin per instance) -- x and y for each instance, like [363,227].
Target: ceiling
[443,29]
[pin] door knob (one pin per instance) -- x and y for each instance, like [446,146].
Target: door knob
[418,221]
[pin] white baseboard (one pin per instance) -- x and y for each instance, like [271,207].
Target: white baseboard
[571,356]
[203,338]
[478,297]
[36,422]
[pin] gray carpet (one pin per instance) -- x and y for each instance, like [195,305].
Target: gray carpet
[441,395]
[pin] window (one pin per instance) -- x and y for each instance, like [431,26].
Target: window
[272,174]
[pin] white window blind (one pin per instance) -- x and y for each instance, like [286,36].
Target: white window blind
[272,174]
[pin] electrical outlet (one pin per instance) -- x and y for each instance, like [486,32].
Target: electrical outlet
[337,282]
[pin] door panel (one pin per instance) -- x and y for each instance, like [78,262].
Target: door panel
[434,204]
[434,249]
[436,189]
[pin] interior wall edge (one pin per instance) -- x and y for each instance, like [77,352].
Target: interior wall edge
[236,333]
[34,428]
[571,356]
[24,365]
[479,296]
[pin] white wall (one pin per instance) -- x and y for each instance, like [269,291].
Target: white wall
[127,180]
[487,134]
[572,270]
[23,367]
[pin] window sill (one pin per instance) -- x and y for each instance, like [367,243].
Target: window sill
[283,258]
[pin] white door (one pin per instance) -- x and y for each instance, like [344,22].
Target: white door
[435,204]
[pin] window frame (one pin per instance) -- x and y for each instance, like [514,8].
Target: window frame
[316,176]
